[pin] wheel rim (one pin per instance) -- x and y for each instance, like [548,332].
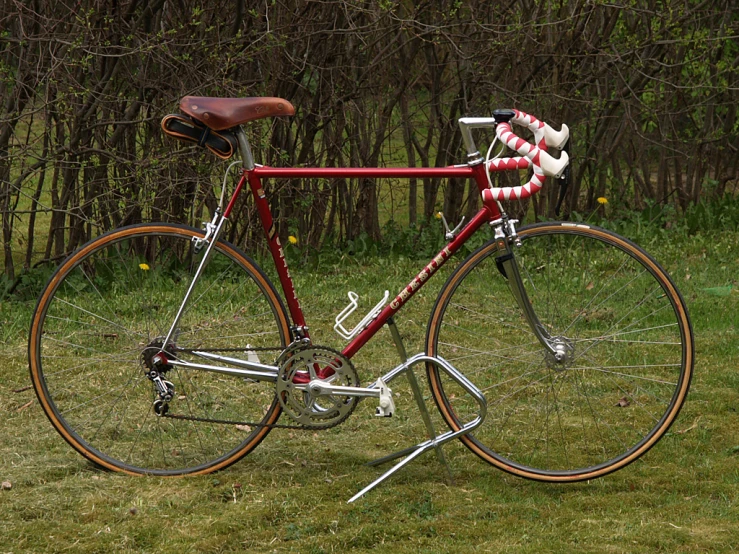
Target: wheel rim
[626,344]
[115,298]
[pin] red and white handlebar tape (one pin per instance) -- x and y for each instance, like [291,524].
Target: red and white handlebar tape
[531,155]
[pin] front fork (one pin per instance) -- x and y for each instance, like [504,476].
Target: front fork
[505,259]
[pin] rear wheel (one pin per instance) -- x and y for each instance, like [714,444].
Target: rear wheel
[100,321]
[624,333]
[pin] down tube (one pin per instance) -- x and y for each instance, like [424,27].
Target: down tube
[418,281]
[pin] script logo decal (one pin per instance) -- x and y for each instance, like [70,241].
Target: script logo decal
[419,279]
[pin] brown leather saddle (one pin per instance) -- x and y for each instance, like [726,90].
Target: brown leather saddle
[210,120]
[224,113]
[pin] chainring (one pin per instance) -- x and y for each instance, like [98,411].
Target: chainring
[316,364]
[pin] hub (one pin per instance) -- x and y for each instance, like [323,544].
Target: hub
[564,354]
[154,358]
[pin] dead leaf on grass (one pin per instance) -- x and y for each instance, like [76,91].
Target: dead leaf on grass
[695,424]
[623,402]
[26,405]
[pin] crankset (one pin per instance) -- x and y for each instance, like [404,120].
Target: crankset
[304,384]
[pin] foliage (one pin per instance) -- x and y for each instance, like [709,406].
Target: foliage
[649,90]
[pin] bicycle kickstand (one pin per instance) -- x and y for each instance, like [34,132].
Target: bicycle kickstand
[425,416]
[435,441]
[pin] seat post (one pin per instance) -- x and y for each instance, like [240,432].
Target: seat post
[245,149]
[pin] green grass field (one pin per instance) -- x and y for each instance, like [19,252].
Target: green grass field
[289,495]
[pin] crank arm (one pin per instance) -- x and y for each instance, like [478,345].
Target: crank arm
[320,388]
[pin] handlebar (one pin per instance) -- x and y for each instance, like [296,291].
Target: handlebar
[532,155]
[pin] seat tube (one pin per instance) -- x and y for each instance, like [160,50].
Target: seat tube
[278,254]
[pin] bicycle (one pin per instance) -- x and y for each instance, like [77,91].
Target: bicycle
[163,349]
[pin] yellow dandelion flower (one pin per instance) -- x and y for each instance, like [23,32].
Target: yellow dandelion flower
[144,267]
[602,200]
[292,240]
[438,215]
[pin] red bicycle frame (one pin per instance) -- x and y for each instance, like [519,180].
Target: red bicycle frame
[489,212]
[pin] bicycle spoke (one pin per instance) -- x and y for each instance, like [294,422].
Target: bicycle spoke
[619,335]
[102,324]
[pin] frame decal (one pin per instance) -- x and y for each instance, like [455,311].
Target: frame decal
[419,279]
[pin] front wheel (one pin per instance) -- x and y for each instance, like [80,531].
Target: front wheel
[102,318]
[625,334]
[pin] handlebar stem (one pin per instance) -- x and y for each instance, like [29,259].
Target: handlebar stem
[466,124]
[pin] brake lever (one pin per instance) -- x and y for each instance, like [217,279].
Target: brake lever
[564,181]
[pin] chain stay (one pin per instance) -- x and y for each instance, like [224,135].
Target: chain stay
[284,350]
[249,349]
[295,345]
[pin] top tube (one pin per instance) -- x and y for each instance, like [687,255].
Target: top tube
[377,172]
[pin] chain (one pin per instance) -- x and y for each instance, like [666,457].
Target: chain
[294,346]
[249,423]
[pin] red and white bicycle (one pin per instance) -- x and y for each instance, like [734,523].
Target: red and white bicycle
[556,352]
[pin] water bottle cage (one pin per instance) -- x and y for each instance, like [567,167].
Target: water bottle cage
[346,312]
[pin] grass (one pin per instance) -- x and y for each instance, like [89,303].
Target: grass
[290,494]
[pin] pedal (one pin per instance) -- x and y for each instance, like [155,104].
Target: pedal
[387,405]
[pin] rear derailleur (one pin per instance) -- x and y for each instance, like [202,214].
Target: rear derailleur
[156,366]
